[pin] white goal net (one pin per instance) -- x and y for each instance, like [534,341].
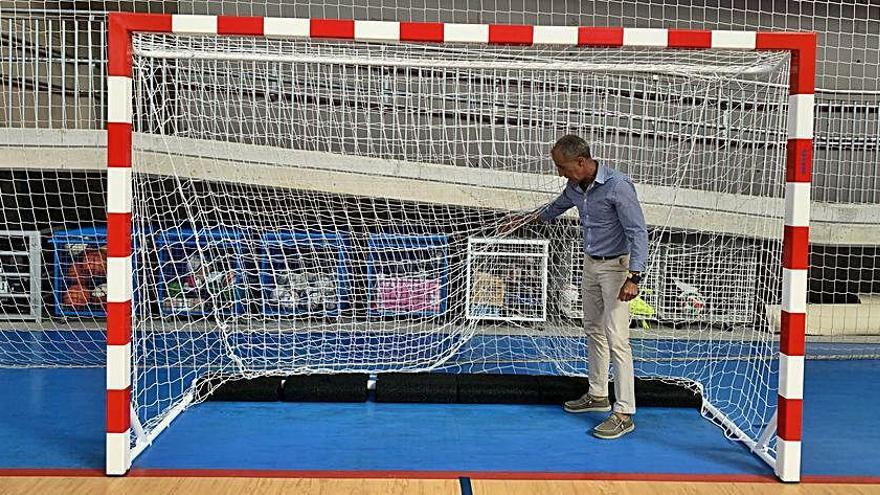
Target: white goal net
[325,207]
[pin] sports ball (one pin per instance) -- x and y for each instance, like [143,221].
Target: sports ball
[99,293]
[287,298]
[569,299]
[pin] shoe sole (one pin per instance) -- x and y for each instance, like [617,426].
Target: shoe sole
[616,435]
[592,409]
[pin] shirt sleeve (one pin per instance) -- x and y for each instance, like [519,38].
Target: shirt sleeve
[631,217]
[552,210]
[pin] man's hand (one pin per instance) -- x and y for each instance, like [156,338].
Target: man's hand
[514,221]
[629,291]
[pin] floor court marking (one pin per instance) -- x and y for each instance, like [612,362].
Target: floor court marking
[465,484]
[464,478]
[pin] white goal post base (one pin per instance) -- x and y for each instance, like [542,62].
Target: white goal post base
[801,46]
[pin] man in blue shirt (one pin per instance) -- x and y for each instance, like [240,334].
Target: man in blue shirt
[616,252]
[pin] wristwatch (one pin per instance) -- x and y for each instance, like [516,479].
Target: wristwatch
[634,277]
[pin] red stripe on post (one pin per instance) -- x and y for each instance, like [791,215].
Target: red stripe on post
[796,248]
[803,57]
[118,235]
[118,416]
[681,38]
[799,160]
[118,145]
[148,23]
[118,323]
[598,36]
[789,416]
[421,31]
[510,34]
[331,28]
[239,25]
[119,28]
[803,71]
[792,333]
[118,46]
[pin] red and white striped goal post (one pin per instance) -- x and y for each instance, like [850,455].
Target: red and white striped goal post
[801,45]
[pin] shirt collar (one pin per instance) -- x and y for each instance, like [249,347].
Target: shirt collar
[602,174]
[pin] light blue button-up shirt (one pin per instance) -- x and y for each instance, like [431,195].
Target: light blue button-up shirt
[611,217]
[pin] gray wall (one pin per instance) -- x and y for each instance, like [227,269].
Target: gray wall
[52,59]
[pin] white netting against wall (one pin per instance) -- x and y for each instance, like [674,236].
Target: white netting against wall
[53,60]
[312,207]
[53,67]
[52,267]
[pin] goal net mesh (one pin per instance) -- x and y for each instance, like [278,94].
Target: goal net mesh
[326,207]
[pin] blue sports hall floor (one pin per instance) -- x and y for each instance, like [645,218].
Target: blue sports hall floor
[52,419]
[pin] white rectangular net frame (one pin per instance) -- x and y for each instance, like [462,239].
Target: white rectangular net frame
[506,280]
[237,138]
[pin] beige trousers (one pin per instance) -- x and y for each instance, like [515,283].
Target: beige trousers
[606,323]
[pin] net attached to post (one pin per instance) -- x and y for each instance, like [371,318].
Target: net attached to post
[323,207]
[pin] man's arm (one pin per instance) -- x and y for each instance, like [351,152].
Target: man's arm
[552,210]
[544,213]
[629,212]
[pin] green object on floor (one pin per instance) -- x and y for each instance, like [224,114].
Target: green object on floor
[641,310]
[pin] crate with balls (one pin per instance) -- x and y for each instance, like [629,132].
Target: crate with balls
[200,272]
[408,275]
[304,273]
[80,272]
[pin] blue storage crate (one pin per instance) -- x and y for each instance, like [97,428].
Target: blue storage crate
[80,272]
[200,272]
[407,274]
[304,273]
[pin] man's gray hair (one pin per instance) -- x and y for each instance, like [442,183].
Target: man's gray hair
[572,146]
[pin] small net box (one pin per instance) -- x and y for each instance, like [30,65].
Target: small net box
[570,277]
[20,258]
[507,279]
[708,283]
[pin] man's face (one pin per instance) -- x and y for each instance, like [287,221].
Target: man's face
[573,169]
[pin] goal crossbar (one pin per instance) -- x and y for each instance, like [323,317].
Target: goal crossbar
[121,26]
